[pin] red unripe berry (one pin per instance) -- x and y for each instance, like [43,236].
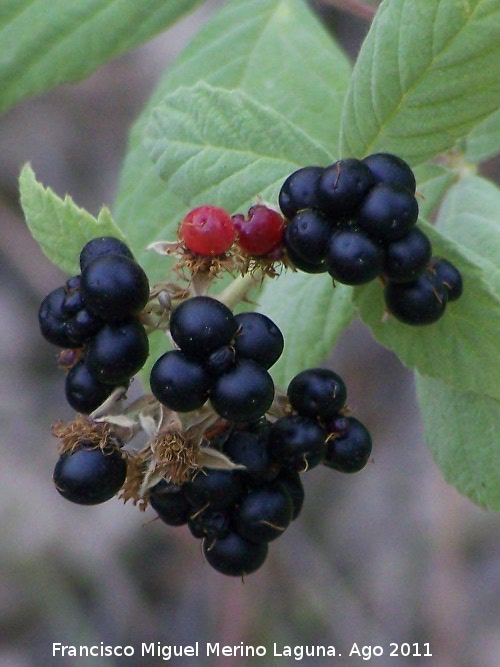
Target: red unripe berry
[260,232]
[207,231]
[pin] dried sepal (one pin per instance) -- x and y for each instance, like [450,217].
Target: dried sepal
[212,458]
[84,431]
[133,482]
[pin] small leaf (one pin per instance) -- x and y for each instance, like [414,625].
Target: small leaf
[311,314]
[214,145]
[461,429]
[59,225]
[49,42]
[427,73]
[462,347]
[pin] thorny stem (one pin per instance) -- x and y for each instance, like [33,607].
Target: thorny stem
[355,7]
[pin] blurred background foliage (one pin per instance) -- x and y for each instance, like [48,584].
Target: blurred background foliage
[392,554]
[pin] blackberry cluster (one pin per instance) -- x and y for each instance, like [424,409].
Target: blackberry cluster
[221,357]
[357,220]
[238,512]
[95,314]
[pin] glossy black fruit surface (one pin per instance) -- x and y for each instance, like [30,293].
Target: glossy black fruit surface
[83,392]
[201,325]
[307,235]
[420,302]
[178,382]
[297,442]
[114,287]
[343,187]
[264,513]
[388,212]
[349,451]
[258,338]
[117,352]
[90,476]
[317,392]
[352,258]
[299,190]
[103,245]
[389,168]
[407,258]
[234,556]
[168,500]
[244,393]
[449,275]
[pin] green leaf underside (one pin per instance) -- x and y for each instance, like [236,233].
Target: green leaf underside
[239,49]
[462,347]
[461,429]
[432,183]
[311,314]
[224,146]
[49,42]
[427,73]
[59,226]
[469,215]
[484,140]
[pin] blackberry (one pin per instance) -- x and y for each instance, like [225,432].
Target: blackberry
[317,393]
[422,301]
[449,275]
[353,258]
[388,212]
[343,187]
[220,360]
[103,245]
[350,450]
[408,257]
[301,264]
[117,352]
[200,325]
[388,168]
[264,513]
[90,475]
[297,442]
[233,555]
[258,338]
[307,235]
[168,501]
[250,449]
[209,523]
[83,392]
[178,382]
[292,482]
[299,190]
[244,393]
[114,287]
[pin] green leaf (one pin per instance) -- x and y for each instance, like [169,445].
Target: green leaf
[48,42]
[432,182]
[469,216]
[277,52]
[427,73]
[484,140]
[462,347]
[461,429]
[311,314]
[217,146]
[59,225]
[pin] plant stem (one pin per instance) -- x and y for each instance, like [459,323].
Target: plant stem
[355,7]
[237,291]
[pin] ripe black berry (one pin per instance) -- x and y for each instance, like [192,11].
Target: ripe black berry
[422,301]
[343,187]
[388,168]
[307,235]
[303,265]
[408,257]
[114,287]
[218,489]
[250,449]
[83,392]
[352,258]
[244,393]
[168,500]
[233,555]
[90,476]
[350,450]
[200,325]
[449,275]
[258,338]
[297,442]
[388,212]
[220,360]
[178,382]
[117,352]
[299,190]
[292,482]
[264,513]
[103,245]
[209,523]
[317,392]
